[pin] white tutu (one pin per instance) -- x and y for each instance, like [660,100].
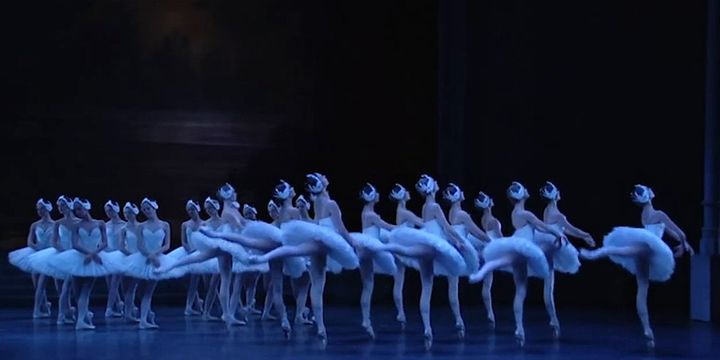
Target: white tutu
[73,262]
[39,263]
[469,254]
[294,266]
[383,261]
[536,262]
[137,266]
[20,258]
[262,230]
[447,259]
[662,262]
[565,259]
[340,254]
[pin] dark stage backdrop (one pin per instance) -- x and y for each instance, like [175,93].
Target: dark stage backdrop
[169,99]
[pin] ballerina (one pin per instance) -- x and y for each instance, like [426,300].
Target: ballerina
[222,251]
[303,239]
[87,259]
[564,259]
[493,229]
[519,253]
[371,262]
[39,238]
[192,298]
[422,249]
[61,241]
[473,235]
[153,240]
[113,227]
[642,252]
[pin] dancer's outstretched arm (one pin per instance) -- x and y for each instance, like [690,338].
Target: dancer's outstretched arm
[472,228]
[437,214]
[375,219]
[336,217]
[574,231]
[676,233]
[541,226]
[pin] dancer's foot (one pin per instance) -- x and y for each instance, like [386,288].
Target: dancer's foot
[81,325]
[253,311]
[144,325]
[268,317]
[109,313]
[322,334]
[649,338]
[198,305]
[491,320]
[132,319]
[209,317]
[520,336]
[232,321]
[555,326]
[369,329]
[287,329]
[460,327]
[302,321]
[40,315]
[428,336]
[588,254]
[476,277]
[151,318]
[191,312]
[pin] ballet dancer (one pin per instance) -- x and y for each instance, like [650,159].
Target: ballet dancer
[153,240]
[39,261]
[113,227]
[304,239]
[642,252]
[193,302]
[371,262]
[422,249]
[519,253]
[39,238]
[492,227]
[564,259]
[474,236]
[128,245]
[436,223]
[87,259]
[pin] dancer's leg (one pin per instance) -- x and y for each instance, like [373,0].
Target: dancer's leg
[225,261]
[367,277]
[64,302]
[276,282]
[192,296]
[628,251]
[113,283]
[548,294]
[426,279]
[40,298]
[267,306]
[304,249]
[129,287]
[82,322]
[453,285]
[194,258]
[398,284]
[302,287]
[317,278]
[520,278]
[236,294]
[211,297]
[146,303]
[491,266]
[642,276]
[487,298]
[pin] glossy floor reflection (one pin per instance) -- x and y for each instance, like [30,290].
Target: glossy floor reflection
[586,335]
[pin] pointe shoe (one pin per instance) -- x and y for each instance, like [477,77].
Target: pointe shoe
[81,325]
[369,330]
[209,317]
[649,338]
[491,320]
[460,327]
[428,338]
[144,325]
[322,334]
[287,329]
[555,330]
[302,321]
[520,336]
[232,321]
[191,312]
[268,317]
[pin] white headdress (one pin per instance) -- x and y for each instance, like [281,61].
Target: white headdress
[249,212]
[150,202]
[65,200]
[132,207]
[214,203]
[642,194]
[192,204]
[369,193]
[226,191]
[300,202]
[453,193]
[84,203]
[517,191]
[483,201]
[315,183]
[426,184]
[113,205]
[45,204]
[398,192]
[283,190]
[272,206]
[550,191]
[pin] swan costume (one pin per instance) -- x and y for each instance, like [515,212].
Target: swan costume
[20,258]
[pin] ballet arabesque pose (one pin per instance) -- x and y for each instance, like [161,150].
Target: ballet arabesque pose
[642,252]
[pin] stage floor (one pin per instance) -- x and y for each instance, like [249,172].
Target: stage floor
[586,335]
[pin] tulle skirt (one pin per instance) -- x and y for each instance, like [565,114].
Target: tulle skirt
[295,266]
[447,259]
[383,261]
[138,266]
[73,262]
[536,261]
[39,262]
[340,254]
[20,258]
[661,260]
[565,259]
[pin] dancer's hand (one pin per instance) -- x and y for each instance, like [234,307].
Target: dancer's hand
[589,241]
[688,248]
[679,250]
